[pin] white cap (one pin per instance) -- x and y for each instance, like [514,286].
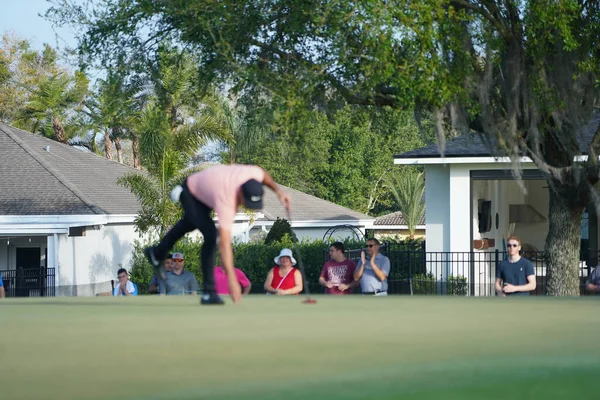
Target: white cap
[176,192]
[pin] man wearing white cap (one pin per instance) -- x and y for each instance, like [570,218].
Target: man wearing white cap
[222,188]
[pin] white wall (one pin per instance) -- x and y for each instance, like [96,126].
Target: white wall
[437,215]
[88,263]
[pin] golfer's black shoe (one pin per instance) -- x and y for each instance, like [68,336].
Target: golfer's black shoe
[211,298]
[159,271]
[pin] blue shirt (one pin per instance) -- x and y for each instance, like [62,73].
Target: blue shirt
[369,281]
[1,283]
[515,273]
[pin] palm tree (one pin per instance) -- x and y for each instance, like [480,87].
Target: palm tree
[54,106]
[408,188]
[113,111]
[245,129]
[166,154]
[175,121]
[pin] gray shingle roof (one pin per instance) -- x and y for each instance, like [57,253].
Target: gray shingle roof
[306,207]
[395,218]
[473,144]
[61,181]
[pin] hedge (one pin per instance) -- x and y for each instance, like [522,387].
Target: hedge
[255,259]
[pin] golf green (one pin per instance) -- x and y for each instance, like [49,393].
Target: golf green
[271,347]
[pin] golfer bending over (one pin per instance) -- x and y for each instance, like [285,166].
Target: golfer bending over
[222,188]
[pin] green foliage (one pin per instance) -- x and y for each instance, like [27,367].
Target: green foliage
[408,189]
[342,156]
[38,94]
[171,126]
[280,229]
[255,259]
[424,284]
[142,272]
[457,285]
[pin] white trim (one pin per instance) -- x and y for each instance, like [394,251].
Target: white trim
[67,220]
[459,160]
[57,224]
[31,230]
[471,160]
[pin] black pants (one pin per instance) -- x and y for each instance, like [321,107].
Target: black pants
[196,215]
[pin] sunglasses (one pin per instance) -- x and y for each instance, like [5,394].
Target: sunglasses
[178,259]
[512,245]
[371,245]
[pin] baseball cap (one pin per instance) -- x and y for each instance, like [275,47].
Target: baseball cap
[177,255]
[253,191]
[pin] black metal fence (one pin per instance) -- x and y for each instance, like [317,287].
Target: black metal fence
[416,272]
[29,282]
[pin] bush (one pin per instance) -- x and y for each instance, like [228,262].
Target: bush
[457,285]
[256,259]
[277,233]
[424,284]
[141,270]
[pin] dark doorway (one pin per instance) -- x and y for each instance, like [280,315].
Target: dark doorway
[28,257]
[28,270]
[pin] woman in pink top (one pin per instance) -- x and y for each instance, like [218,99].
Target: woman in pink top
[222,188]
[284,278]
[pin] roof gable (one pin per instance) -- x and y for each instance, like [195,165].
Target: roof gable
[473,144]
[395,218]
[306,207]
[43,177]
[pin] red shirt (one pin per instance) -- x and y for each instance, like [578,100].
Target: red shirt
[288,282]
[338,273]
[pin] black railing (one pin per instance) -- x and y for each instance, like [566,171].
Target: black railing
[455,273]
[29,282]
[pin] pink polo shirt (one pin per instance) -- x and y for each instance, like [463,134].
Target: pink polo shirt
[221,283]
[218,186]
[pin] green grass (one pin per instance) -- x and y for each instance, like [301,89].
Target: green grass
[278,348]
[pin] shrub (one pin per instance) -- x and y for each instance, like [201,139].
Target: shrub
[424,284]
[141,270]
[457,285]
[280,228]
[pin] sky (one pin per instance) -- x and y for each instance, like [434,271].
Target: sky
[21,17]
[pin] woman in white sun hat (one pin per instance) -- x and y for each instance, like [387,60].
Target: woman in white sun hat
[284,279]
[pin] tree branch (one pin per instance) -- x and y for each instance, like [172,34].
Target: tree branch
[380,97]
[506,34]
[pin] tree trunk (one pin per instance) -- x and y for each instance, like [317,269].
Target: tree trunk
[108,152]
[563,241]
[135,145]
[59,130]
[119,149]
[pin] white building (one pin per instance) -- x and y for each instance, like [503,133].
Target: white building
[473,201]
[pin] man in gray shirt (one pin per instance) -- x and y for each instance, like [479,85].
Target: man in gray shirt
[373,270]
[593,283]
[180,281]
